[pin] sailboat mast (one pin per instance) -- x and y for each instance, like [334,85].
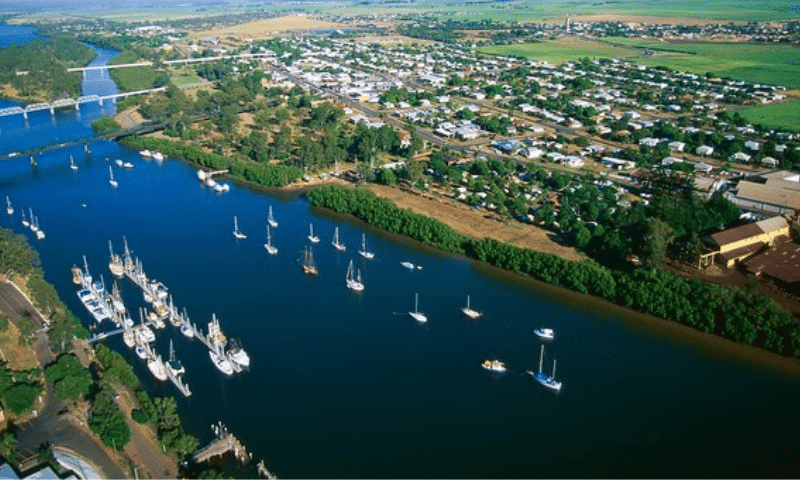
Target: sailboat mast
[416,300]
[467,302]
[554,369]
[541,359]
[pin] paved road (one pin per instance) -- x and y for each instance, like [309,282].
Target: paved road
[49,426]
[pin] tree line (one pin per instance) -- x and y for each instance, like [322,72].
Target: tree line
[730,312]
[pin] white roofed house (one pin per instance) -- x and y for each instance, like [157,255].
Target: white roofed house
[740,157]
[676,146]
[649,142]
[751,145]
[704,150]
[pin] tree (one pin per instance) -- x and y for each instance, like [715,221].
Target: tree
[20,396]
[8,447]
[108,421]
[657,240]
[70,379]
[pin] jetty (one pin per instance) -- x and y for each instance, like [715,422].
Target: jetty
[223,443]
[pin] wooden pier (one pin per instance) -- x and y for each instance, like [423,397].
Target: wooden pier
[223,443]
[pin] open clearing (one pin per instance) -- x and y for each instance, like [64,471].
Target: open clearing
[779,115]
[476,223]
[261,29]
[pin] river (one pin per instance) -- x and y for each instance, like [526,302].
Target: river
[348,385]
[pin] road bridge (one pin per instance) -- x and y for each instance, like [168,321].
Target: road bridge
[73,102]
[105,67]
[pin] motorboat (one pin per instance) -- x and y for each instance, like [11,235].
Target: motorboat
[494,365]
[545,333]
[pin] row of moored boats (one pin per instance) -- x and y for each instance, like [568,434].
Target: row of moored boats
[32,221]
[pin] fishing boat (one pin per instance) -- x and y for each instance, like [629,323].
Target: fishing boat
[548,381]
[174,365]
[9,208]
[470,312]
[72,164]
[416,314]
[545,333]
[311,237]
[363,252]
[270,248]
[25,223]
[111,180]
[236,233]
[335,242]
[353,281]
[308,262]
[115,265]
[156,367]
[237,354]
[270,219]
[494,365]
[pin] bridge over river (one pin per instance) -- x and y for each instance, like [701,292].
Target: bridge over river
[72,102]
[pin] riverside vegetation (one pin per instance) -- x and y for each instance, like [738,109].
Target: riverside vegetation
[730,312]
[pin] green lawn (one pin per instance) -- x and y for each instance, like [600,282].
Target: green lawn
[184,76]
[560,51]
[780,115]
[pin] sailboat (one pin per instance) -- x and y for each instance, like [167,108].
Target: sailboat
[270,248]
[311,237]
[543,378]
[174,365]
[236,233]
[111,181]
[335,241]
[32,221]
[416,314]
[9,208]
[270,219]
[115,265]
[363,252]
[39,233]
[25,223]
[308,262]
[72,164]
[353,281]
[470,312]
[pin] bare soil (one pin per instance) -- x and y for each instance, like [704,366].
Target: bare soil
[477,223]
[18,357]
[266,28]
[129,118]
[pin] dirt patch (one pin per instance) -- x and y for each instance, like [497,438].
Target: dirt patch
[18,357]
[613,17]
[266,28]
[129,118]
[477,223]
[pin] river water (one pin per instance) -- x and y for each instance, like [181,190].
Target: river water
[348,385]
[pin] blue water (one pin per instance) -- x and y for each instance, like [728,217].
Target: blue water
[12,34]
[348,385]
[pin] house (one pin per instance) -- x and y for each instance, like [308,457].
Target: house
[668,161]
[573,161]
[617,163]
[740,157]
[676,146]
[751,145]
[704,150]
[703,167]
[739,243]
[769,162]
[649,142]
[532,152]
[774,192]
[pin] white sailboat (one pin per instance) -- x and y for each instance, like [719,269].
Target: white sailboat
[236,233]
[32,221]
[352,280]
[543,378]
[363,252]
[111,180]
[39,232]
[268,246]
[470,312]
[9,208]
[308,262]
[115,264]
[335,241]
[25,223]
[156,366]
[72,164]
[416,314]
[311,237]
[270,219]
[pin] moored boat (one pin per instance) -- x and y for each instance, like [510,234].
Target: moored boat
[336,244]
[494,365]
[311,237]
[416,314]
[545,333]
[469,311]
[353,281]
[364,252]
[548,381]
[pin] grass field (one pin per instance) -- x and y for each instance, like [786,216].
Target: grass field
[780,115]
[184,76]
[560,51]
[772,64]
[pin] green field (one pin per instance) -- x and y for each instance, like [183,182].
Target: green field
[560,51]
[529,10]
[785,116]
[184,76]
